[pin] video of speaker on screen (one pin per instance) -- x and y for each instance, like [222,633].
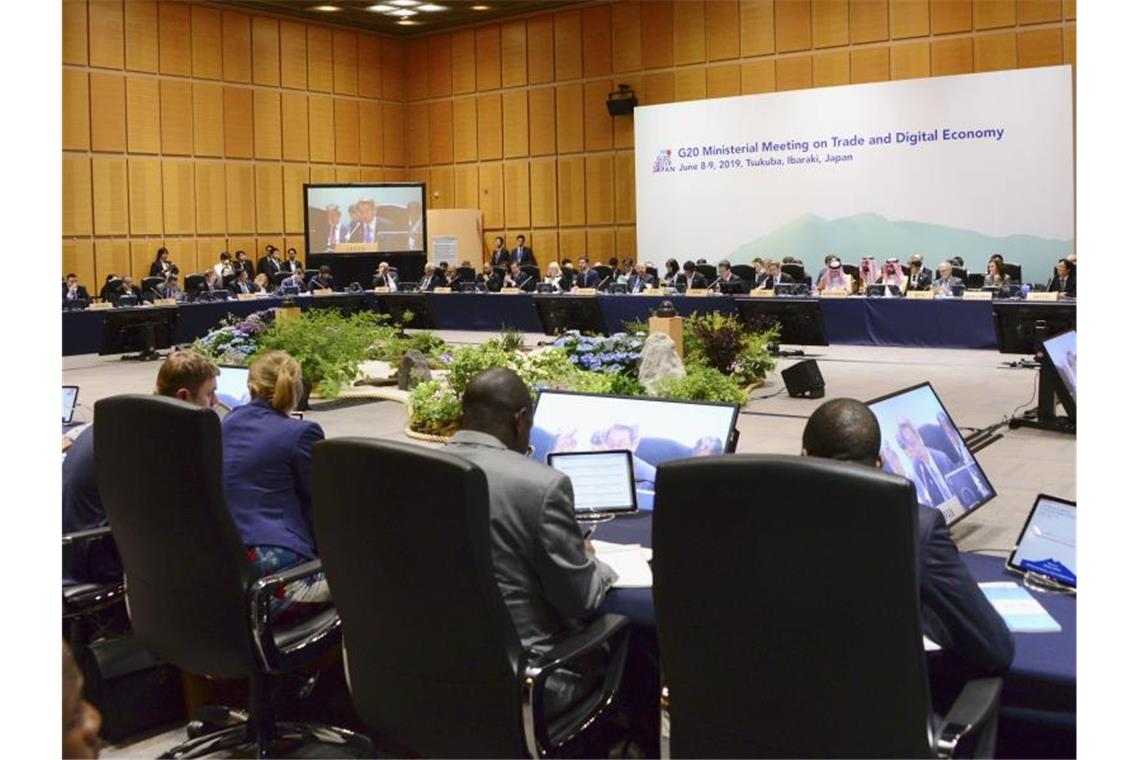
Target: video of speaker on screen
[365,219]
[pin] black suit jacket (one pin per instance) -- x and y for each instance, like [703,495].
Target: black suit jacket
[649,281]
[527,257]
[587,279]
[955,613]
[156,269]
[80,292]
[247,265]
[925,277]
[1069,288]
[500,258]
[269,267]
[699,280]
[235,287]
[492,281]
[296,265]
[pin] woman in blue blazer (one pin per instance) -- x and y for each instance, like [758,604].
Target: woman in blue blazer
[266,470]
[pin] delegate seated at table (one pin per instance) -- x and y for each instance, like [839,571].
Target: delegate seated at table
[553,276]
[1065,279]
[835,280]
[946,282]
[72,290]
[995,274]
[955,613]
[918,276]
[691,278]
[586,277]
[489,279]
[640,279]
[893,274]
[431,279]
[516,278]
[868,273]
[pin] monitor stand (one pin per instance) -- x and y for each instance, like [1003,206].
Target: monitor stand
[1045,416]
[148,353]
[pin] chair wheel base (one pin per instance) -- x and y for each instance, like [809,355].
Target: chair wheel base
[290,736]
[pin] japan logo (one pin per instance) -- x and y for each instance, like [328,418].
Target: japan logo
[662,163]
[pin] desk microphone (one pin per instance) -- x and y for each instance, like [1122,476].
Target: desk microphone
[524,282]
[603,282]
[713,283]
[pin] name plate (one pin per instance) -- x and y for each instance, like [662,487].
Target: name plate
[920,295]
[323,292]
[356,247]
[587,291]
[652,292]
[244,297]
[977,295]
[101,306]
[508,291]
[381,289]
[697,292]
[833,294]
[442,290]
[762,292]
[1052,296]
[165,302]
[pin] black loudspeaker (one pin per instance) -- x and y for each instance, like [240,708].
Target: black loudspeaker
[621,106]
[804,380]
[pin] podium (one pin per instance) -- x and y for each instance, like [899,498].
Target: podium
[671,326]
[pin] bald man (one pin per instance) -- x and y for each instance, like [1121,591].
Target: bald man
[547,574]
[955,613]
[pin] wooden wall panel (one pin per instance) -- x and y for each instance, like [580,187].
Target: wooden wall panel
[111,257]
[488,58]
[206,42]
[657,35]
[690,84]
[346,121]
[569,122]
[571,244]
[266,49]
[599,189]
[870,65]
[105,33]
[76,111]
[140,21]
[418,145]
[513,44]
[439,66]
[441,187]
[236,47]
[722,29]
[597,50]
[369,76]
[541,116]
[142,254]
[516,194]
[416,68]
[909,18]
[441,135]
[174,39]
[757,77]
[237,109]
[346,174]
[625,206]
[75,33]
[109,195]
[600,245]
[793,73]
[463,62]
[294,56]
[994,14]
[829,23]
[1039,47]
[241,208]
[572,191]
[688,33]
[210,196]
[658,88]
[267,124]
[145,193]
[829,69]
[910,61]
[465,137]
[516,124]
[293,179]
[76,191]
[598,124]
[491,194]
[176,104]
[322,136]
[951,16]
[79,259]
[995,52]
[544,243]
[178,197]
[544,192]
[394,146]
[319,47]
[627,244]
[724,81]
[757,28]
[467,186]
[953,56]
[568,45]
[268,187]
[108,112]
[793,26]
[294,127]
[209,135]
[627,36]
[490,129]
[345,62]
[143,132]
[540,49]
[869,21]
[371,133]
[392,68]
[207,251]
[1070,51]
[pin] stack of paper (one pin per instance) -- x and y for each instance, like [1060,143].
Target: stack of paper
[629,561]
[1020,611]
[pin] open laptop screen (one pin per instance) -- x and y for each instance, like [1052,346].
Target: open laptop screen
[233,386]
[1048,542]
[70,396]
[602,480]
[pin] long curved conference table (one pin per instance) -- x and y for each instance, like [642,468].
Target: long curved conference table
[949,323]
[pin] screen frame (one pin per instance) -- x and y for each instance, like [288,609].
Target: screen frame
[340,185]
[1059,386]
[232,366]
[1017,545]
[982,472]
[74,403]
[589,512]
[730,441]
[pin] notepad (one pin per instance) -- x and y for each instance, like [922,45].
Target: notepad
[1020,611]
[629,561]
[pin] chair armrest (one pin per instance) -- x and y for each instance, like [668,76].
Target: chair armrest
[598,633]
[259,595]
[974,715]
[81,536]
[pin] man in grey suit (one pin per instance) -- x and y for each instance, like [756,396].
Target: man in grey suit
[547,574]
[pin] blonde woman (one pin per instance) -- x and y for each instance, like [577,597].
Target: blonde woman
[261,283]
[266,468]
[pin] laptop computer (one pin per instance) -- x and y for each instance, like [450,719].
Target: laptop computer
[602,481]
[70,397]
[1046,550]
[233,386]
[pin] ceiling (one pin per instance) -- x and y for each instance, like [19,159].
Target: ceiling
[355,13]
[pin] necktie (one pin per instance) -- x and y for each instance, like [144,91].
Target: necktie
[931,484]
[368,233]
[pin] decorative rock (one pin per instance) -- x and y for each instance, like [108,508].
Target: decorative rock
[414,370]
[659,359]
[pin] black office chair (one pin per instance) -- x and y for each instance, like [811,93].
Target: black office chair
[708,270]
[651,271]
[279,278]
[228,279]
[83,600]
[744,272]
[464,274]
[975,280]
[531,271]
[431,655]
[795,271]
[1013,270]
[959,272]
[192,283]
[192,595]
[852,271]
[309,274]
[604,272]
[811,645]
[152,283]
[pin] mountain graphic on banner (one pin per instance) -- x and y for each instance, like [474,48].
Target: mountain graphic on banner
[810,238]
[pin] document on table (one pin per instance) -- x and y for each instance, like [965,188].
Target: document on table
[1020,611]
[629,561]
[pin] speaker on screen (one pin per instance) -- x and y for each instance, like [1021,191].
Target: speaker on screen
[804,380]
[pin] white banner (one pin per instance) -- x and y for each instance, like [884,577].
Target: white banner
[965,165]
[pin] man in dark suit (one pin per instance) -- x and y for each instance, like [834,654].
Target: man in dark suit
[725,274]
[385,277]
[295,280]
[72,290]
[928,464]
[270,265]
[522,255]
[955,613]
[587,277]
[241,283]
[431,279]
[639,279]
[488,279]
[691,278]
[500,256]
[516,278]
[774,276]
[1065,279]
[292,263]
[946,281]
[761,270]
[919,276]
[242,262]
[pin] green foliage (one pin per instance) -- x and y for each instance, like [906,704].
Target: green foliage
[594,382]
[469,361]
[435,409]
[702,383]
[330,347]
[511,339]
[728,346]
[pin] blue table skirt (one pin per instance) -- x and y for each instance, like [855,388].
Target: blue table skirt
[852,321]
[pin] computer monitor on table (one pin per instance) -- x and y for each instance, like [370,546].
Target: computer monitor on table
[655,430]
[922,444]
[70,396]
[233,386]
[602,481]
[1059,358]
[1047,547]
